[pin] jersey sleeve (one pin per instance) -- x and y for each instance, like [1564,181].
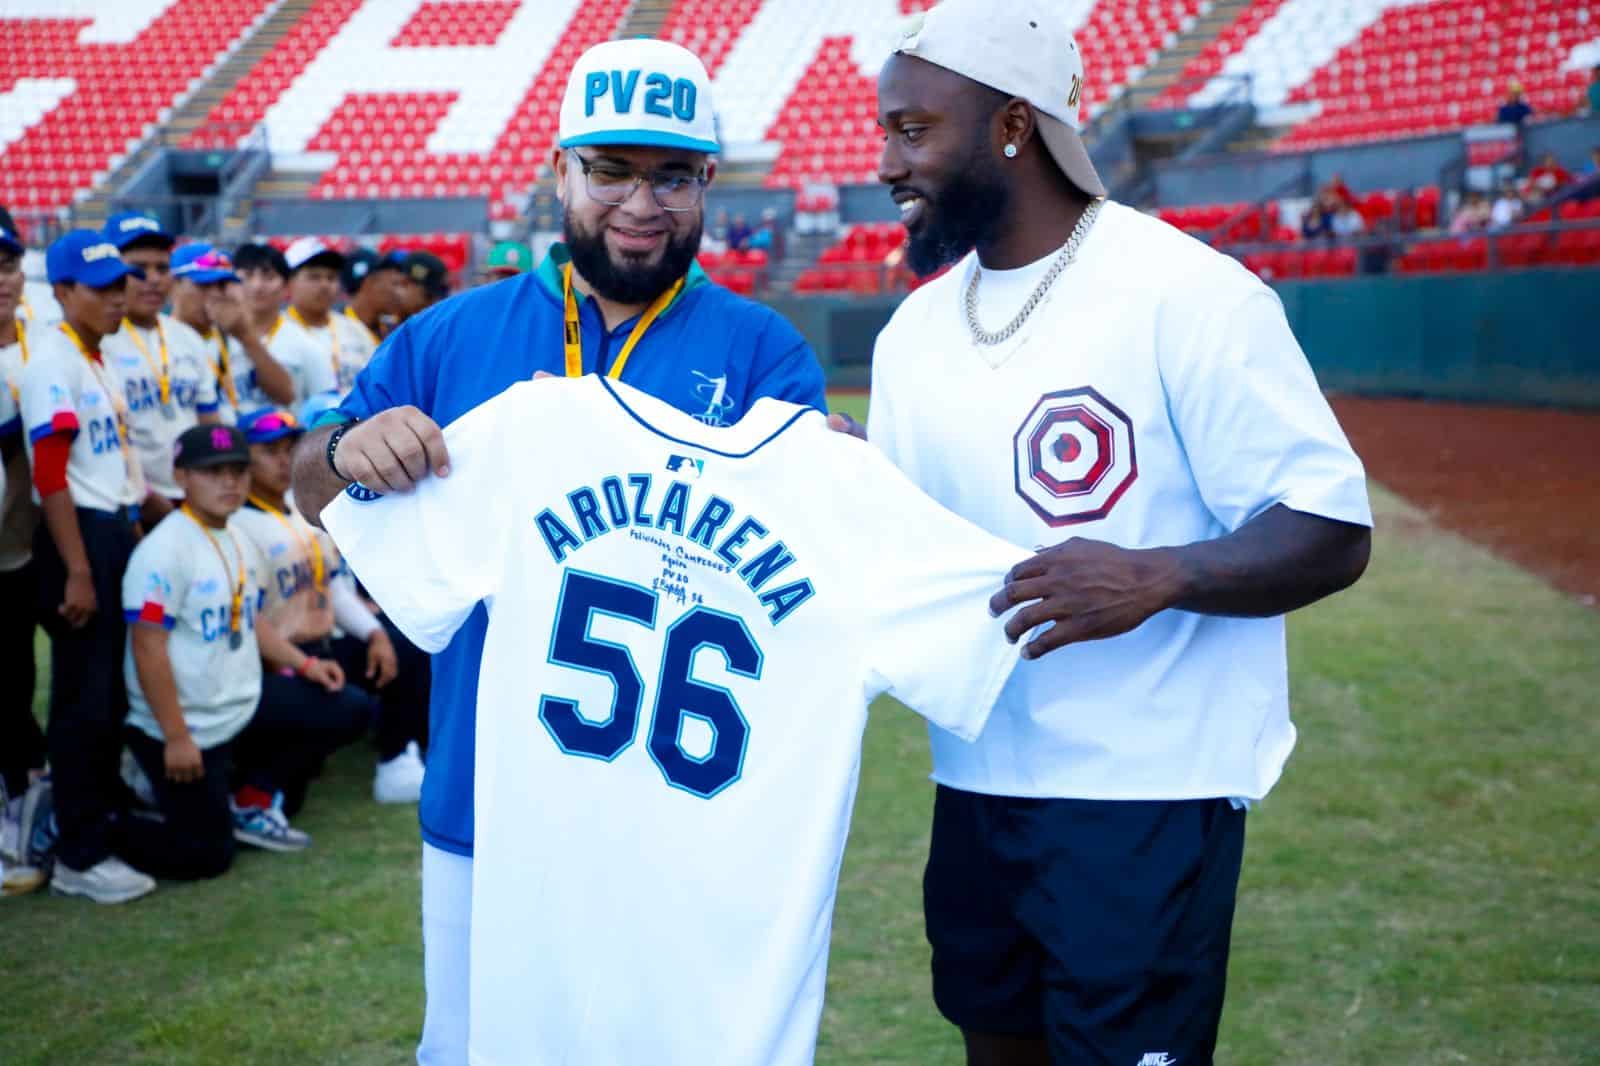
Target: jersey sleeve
[154,584]
[925,576]
[49,397]
[1252,420]
[429,556]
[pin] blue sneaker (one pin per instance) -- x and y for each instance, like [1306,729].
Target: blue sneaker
[37,826]
[267,827]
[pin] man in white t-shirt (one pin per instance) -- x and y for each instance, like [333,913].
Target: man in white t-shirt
[1095,385]
[662,795]
[165,375]
[192,601]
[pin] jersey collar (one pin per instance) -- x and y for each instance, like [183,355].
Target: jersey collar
[549,275]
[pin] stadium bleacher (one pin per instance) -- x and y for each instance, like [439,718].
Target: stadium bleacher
[85,81]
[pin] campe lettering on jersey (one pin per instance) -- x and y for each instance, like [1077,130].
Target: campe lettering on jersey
[624,502]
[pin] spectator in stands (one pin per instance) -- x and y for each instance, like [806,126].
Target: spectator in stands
[1592,94]
[1338,190]
[85,473]
[739,234]
[193,668]
[1507,207]
[311,598]
[1472,216]
[263,280]
[1547,177]
[718,230]
[768,236]
[1347,222]
[1515,110]
[163,368]
[1318,219]
[22,748]
[424,281]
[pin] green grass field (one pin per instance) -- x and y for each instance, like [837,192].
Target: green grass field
[1423,887]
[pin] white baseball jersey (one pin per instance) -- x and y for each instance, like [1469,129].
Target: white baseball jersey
[177,579]
[18,515]
[137,357]
[1155,397]
[64,390]
[210,346]
[357,345]
[291,547]
[320,354]
[662,799]
[288,345]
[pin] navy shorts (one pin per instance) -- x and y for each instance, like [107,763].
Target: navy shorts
[1100,926]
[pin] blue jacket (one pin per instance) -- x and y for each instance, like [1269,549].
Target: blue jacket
[710,354]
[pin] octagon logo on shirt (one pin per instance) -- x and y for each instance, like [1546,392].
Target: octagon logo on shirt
[1074,457]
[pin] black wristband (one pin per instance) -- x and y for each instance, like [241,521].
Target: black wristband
[333,443]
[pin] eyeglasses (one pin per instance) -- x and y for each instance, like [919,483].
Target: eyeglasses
[613,184]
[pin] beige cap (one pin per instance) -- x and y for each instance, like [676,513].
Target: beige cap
[1022,48]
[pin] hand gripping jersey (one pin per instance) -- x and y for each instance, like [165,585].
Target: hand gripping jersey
[168,383]
[177,580]
[686,624]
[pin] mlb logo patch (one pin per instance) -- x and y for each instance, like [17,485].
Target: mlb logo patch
[684,466]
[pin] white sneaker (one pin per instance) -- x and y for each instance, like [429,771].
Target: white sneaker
[400,779]
[108,881]
[19,880]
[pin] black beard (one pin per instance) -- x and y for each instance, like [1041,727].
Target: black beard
[965,212]
[628,283]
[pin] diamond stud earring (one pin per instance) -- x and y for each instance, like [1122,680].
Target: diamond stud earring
[1011,151]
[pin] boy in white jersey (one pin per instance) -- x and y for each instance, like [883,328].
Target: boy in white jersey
[310,592]
[371,285]
[263,284]
[192,598]
[1092,380]
[165,374]
[206,298]
[21,740]
[89,486]
[310,322]
[662,797]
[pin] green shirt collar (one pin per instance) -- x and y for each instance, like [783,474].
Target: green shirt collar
[549,275]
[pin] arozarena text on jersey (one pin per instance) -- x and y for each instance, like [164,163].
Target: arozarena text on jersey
[623,502]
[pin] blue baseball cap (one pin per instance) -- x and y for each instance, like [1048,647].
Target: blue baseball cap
[129,226]
[10,242]
[202,264]
[268,424]
[86,257]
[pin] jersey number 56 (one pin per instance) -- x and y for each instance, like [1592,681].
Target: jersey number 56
[678,694]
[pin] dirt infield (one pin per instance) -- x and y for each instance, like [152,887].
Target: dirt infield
[1523,482]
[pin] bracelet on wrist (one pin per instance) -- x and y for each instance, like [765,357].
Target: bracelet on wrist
[333,445]
[305,665]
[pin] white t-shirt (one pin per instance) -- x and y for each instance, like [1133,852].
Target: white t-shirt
[1155,397]
[176,579]
[135,354]
[63,390]
[662,798]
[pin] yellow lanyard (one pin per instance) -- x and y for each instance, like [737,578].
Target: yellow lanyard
[119,406]
[223,367]
[276,325]
[574,332]
[22,342]
[350,313]
[236,607]
[333,336]
[313,549]
[164,372]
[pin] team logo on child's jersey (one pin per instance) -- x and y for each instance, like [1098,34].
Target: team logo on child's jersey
[1074,457]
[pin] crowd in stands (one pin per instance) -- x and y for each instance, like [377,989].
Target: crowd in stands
[209,650]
